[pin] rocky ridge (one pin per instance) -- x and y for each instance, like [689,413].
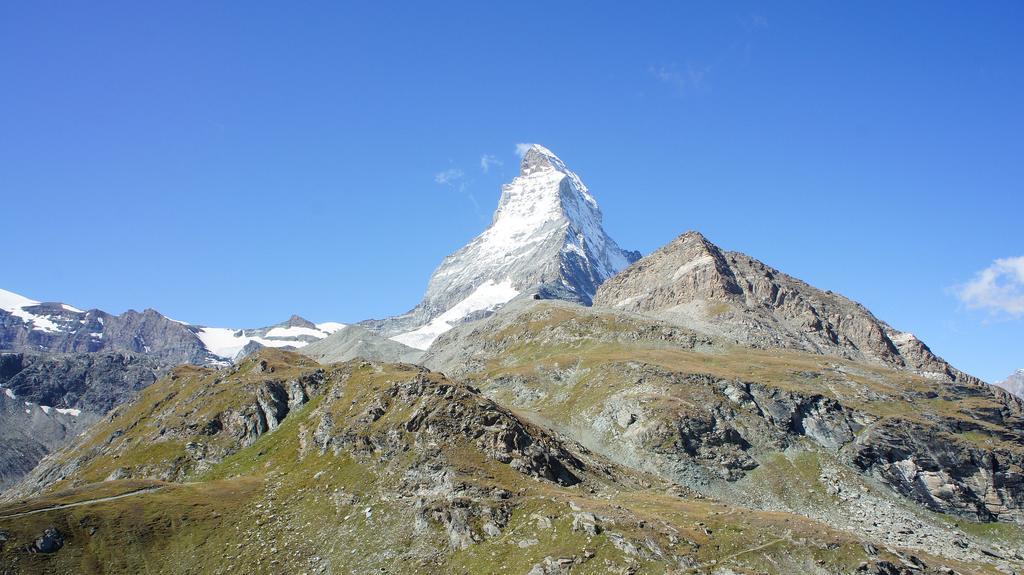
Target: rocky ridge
[694,283]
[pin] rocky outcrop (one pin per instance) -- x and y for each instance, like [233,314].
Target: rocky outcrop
[941,474]
[443,411]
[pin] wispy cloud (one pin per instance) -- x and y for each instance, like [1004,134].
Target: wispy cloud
[449,176]
[522,148]
[455,179]
[487,160]
[999,288]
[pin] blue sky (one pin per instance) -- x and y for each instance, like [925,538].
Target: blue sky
[232,165]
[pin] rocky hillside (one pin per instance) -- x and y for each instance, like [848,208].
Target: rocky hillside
[878,451]
[60,357]
[546,237]
[694,283]
[280,465]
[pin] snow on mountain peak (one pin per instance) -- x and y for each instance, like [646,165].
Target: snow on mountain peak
[546,235]
[10,301]
[16,305]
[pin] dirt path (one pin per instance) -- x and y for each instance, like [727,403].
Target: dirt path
[722,560]
[81,503]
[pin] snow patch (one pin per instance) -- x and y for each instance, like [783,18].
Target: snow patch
[9,394]
[487,296]
[221,341]
[330,327]
[69,411]
[15,304]
[10,301]
[902,337]
[226,343]
[295,331]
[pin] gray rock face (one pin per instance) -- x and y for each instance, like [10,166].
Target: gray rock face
[944,476]
[94,382]
[1014,384]
[28,432]
[546,236]
[47,399]
[356,341]
[692,282]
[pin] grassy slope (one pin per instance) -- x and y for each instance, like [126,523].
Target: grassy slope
[279,507]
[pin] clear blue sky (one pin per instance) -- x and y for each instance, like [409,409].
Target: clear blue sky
[230,164]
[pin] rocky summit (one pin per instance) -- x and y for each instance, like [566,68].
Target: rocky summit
[554,405]
[694,283]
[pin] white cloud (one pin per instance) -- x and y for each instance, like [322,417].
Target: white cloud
[449,176]
[522,148]
[999,288]
[487,160]
[455,179]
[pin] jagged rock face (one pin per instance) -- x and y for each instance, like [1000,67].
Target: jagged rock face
[29,431]
[694,283]
[941,475]
[50,398]
[546,236]
[94,382]
[1014,384]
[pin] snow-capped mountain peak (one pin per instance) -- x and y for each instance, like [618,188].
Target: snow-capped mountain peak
[1014,384]
[546,237]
